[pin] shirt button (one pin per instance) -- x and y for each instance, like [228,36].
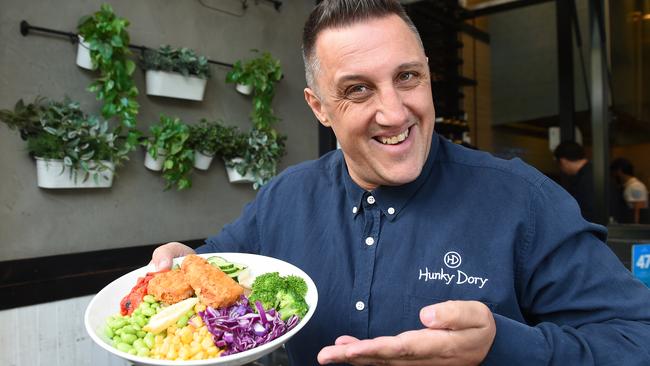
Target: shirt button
[391,210]
[354,209]
[370,199]
[370,240]
[360,305]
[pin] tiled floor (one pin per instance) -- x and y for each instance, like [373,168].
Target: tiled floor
[53,334]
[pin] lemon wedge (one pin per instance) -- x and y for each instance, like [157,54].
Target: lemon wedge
[169,315]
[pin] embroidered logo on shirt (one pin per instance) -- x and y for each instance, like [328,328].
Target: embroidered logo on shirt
[451,260]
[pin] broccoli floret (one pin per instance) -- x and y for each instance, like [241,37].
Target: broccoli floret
[284,294]
[264,289]
[290,303]
[296,284]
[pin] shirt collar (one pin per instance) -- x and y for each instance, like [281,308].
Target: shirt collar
[390,199]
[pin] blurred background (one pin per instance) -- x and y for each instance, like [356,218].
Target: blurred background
[511,77]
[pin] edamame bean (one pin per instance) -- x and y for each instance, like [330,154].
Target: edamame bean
[149,299]
[117,323]
[148,312]
[141,333]
[124,347]
[149,340]
[117,339]
[109,332]
[182,321]
[141,320]
[128,330]
[139,343]
[133,351]
[128,338]
[143,352]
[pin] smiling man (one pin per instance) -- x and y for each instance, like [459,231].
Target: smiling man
[424,252]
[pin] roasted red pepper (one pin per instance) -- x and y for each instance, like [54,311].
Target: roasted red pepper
[131,301]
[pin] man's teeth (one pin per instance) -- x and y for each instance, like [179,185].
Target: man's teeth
[395,139]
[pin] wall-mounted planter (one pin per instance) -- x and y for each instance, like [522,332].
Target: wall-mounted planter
[175,85]
[235,177]
[244,89]
[202,161]
[83,55]
[154,164]
[52,173]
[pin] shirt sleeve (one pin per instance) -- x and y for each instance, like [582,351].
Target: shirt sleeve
[238,236]
[581,305]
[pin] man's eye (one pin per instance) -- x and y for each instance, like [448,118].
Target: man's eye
[406,76]
[357,89]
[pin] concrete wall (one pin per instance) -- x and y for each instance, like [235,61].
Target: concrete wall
[136,211]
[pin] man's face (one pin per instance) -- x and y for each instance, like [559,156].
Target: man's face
[373,90]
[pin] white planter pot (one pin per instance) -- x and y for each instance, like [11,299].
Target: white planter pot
[83,55]
[154,164]
[175,85]
[52,173]
[244,89]
[235,177]
[202,161]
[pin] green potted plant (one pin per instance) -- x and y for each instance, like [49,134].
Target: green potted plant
[232,148]
[204,139]
[69,146]
[175,72]
[106,38]
[264,149]
[261,74]
[168,150]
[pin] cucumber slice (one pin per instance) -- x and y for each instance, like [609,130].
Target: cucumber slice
[217,261]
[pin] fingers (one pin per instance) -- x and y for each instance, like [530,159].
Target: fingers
[456,315]
[163,255]
[345,340]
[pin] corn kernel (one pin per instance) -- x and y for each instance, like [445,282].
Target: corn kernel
[207,343]
[183,353]
[186,336]
[199,307]
[199,356]
[171,354]
[212,351]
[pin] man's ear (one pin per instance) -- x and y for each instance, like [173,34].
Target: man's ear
[316,106]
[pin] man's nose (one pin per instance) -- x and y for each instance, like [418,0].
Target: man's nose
[391,109]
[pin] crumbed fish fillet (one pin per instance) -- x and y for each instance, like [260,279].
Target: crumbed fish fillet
[170,287]
[212,286]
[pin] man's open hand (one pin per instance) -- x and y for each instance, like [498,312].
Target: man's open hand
[456,333]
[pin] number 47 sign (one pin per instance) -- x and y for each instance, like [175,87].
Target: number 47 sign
[641,262]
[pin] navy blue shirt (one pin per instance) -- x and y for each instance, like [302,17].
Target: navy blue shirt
[470,227]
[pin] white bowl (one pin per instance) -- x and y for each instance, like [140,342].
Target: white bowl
[107,303]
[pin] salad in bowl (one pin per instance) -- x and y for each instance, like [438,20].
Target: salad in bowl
[209,309]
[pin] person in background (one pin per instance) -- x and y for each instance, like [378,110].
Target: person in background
[573,163]
[425,252]
[635,192]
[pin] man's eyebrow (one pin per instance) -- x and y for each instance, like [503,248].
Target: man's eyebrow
[404,66]
[410,65]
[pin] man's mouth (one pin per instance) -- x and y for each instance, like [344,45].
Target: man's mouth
[394,140]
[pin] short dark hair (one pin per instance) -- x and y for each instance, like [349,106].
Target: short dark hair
[622,164]
[340,13]
[569,150]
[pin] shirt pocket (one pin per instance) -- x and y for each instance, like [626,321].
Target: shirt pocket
[414,303]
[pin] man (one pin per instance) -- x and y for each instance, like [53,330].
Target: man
[635,192]
[425,252]
[572,162]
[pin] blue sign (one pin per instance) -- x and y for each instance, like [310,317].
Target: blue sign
[641,262]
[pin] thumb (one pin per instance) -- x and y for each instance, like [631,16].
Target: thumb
[455,315]
[163,256]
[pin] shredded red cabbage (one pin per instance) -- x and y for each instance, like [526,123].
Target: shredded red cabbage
[240,328]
